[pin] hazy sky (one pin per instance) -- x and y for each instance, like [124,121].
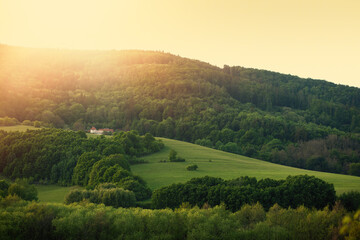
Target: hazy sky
[308,38]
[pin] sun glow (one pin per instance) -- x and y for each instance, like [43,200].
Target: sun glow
[61,24]
[318,39]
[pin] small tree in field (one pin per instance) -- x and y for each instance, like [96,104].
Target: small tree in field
[172,155]
[174,158]
[37,124]
[191,167]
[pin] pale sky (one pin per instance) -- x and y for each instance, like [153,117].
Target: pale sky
[310,38]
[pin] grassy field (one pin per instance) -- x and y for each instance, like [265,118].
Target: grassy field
[53,193]
[21,128]
[217,163]
[211,162]
[91,135]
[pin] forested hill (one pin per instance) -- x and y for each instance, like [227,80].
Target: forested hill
[281,118]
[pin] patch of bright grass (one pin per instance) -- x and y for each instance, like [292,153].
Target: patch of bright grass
[53,193]
[20,128]
[217,163]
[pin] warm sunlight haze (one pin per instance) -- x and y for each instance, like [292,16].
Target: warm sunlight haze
[180,119]
[310,38]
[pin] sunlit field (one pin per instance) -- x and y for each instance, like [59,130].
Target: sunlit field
[53,193]
[217,163]
[21,128]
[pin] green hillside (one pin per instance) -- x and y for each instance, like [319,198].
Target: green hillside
[305,123]
[217,163]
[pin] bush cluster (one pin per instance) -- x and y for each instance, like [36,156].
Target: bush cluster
[174,158]
[350,200]
[192,167]
[292,192]
[20,188]
[110,196]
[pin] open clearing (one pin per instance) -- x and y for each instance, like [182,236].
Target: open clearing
[217,163]
[21,128]
[53,193]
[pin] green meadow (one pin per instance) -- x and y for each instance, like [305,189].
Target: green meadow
[21,128]
[217,163]
[53,193]
[211,162]
[91,135]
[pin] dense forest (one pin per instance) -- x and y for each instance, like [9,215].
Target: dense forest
[285,119]
[294,191]
[30,220]
[70,158]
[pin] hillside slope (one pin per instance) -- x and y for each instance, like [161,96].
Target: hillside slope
[276,117]
[224,165]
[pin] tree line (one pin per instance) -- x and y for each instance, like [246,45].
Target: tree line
[31,220]
[292,192]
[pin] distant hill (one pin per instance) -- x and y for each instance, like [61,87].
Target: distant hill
[280,118]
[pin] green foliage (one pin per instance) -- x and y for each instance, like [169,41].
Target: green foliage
[37,124]
[23,189]
[172,155]
[109,169]
[263,231]
[4,186]
[275,117]
[6,121]
[106,186]
[179,159]
[66,157]
[134,161]
[27,123]
[192,167]
[90,221]
[350,200]
[351,226]
[110,196]
[293,192]
[83,167]
[174,158]
[249,215]
[302,223]
[354,169]
[308,191]
[267,115]
[74,196]
[141,191]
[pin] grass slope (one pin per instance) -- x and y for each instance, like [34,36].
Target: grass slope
[21,128]
[53,193]
[217,163]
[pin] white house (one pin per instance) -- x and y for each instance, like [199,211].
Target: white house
[101,131]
